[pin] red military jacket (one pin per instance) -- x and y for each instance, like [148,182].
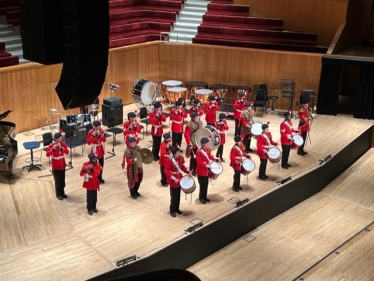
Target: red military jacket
[130,131]
[236,155]
[58,159]
[210,112]
[286,131]
[173,176]
[164,153]
[263,144]
[177,120]
[203,161]
[239,106]
[196,109]
[97,142]
[221,127]
[91,182]
[156,122]
[304,119]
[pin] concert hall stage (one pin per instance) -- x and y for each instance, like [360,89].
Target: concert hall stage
[44,238]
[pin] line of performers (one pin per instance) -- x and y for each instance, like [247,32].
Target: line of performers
[172,163]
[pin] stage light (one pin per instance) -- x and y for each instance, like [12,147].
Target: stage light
[126,260]
[286,180]
[241,202]
[194,227]
[113,87]
[327,158]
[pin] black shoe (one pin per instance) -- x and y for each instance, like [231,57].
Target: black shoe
[301,153]
[155,159]
[235,189]
[133,196]
[284,166]
[247,150]
[305,152]
[202,201]
[179,212]
[95,210]
[165,184]
[266,176]
[241,188]
[60,197]
[65,196]
[262,178]
[289,166]
[250,150]
[223,160]
[207,199]
[137,194]
[90,212]
[173,214]
[102,181]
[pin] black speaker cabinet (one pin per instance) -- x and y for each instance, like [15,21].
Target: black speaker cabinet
[86,49]
[116,111]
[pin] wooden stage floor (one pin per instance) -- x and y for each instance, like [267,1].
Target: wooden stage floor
[43,238]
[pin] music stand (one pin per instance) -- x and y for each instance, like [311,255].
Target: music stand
[69,133]
[114,130]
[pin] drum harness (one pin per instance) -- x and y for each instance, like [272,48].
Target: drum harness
[212,181]
[179,172]
[241,158]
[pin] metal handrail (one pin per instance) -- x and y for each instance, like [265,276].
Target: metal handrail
[163,34]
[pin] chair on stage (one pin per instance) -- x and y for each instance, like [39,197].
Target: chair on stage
[144,118]
[260,100]
[75,137]
[31,145]
[113,129]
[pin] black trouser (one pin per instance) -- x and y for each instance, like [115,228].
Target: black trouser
[156,146]
[175,199]
[203,182]
[237,127]
[211,124]
[193,160]
[163,176]
[59,176]
[91,199]
[263,164]
[101,161]
[135,189]
[303,134]
[177,139]
[285,154]
[220,151]
[236,182]
[247,142]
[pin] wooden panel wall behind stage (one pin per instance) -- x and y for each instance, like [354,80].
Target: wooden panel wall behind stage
[322,17]
[217,64]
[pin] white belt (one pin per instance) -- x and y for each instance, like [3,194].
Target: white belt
[221,132]
[58,158]
[177,122]
[239,110]
[174,173]
[156,128]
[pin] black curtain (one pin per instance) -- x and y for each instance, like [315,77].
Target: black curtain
[364,104]
[329,89]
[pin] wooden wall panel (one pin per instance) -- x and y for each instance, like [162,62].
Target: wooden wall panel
[322,17]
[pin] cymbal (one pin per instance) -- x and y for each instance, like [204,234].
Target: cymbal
[93,107]
[147,155]
[55,110]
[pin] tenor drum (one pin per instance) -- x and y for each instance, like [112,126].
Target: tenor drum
[174,93]
[207,131]
[256,129]
[187,184]
[71,119]
[248,166]
[297,141]
[144,91]
[274,154]
[215,170]
[203,95]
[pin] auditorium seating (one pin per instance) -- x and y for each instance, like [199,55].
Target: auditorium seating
[227,9]
[140,28]
[13,18]
[8,61]
[8,5]
[133,40]
[4,54]
[163,5]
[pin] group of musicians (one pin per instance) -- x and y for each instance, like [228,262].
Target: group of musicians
[169,154]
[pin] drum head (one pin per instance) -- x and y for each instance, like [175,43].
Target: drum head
[216,168]
[148,93]
[177,90]
[207,131]
[274,153]
[256,128]
[172,83]
[298,140]
[249,165]
[187,184]
[203,92]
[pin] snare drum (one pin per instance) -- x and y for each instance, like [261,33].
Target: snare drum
[256,129]
[274,154]
[203,95]
[207,131]
[297,141]
[248,166]
[144,91]
[71,119]
[174,93]
[215,169]
[187,184]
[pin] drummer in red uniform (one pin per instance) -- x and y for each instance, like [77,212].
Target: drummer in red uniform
[210,110]
[131,128]
[203,158]
[196,108]
[173,169]
[264,142]
[246,121]
[286,131]
[165,151]
[90,171]
[221,127]
[190,135]
[97,138]
[176,116]
[156,118]
[239,106]
[304,126]
[236,160]
[56,151]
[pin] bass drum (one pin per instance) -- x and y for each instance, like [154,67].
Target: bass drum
[187,184]
[144,91]
[207,131]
